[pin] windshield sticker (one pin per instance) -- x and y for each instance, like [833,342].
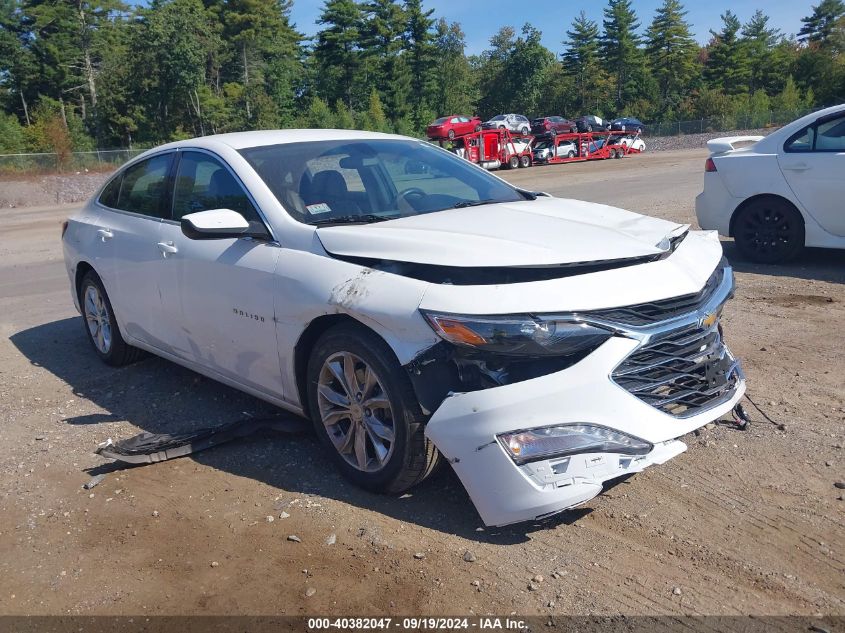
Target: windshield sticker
[317,209]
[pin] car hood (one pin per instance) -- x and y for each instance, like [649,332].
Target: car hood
[541,232]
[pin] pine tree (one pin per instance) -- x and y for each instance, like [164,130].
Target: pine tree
[381,40]
[728,65]
[759,40]
[671,52]
[819,26]
[338,51]
[421,59]
[620,52]
[342,116]
[376,119]
[456,90]
[581,58]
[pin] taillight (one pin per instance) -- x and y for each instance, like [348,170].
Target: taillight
[709,166]
[64,228]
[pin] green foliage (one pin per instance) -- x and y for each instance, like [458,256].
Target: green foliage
[728,66]
[75,75]
[319,115]
[581,59]
[671,52]
[12,139]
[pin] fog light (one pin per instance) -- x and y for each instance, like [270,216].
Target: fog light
[569,439]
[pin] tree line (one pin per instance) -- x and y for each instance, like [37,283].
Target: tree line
[79,74]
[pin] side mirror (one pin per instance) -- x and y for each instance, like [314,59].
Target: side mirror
[215,224]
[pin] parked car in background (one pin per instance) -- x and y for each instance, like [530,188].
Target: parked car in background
[777,194]
[628,140]
[453,125]
[544,149]
[589,123]
[414,307]
[557,124]
[511,122]
[627,124]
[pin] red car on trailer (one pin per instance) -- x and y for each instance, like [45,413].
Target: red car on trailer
[452,126]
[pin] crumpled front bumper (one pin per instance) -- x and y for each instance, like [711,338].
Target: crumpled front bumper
[465,426]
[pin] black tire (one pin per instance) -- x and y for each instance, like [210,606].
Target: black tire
[524,161]
[413,456]
[524,131]
[570,154]
[769,230]
[451,134]
[501,127]
[573,130]
[513,162]
[589,128]
[118,352]
[478,128]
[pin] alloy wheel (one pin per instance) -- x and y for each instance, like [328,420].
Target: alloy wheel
[768,232]
[98,319]
[356,411]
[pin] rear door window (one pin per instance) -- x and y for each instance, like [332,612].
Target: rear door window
[143,186]
[822,136]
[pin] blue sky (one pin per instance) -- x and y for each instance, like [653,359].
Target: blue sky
[481,18]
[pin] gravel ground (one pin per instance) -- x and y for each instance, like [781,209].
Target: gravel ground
[742,523]
[37,191]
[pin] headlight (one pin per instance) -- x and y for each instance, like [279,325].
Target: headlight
[569,439]
[517,335]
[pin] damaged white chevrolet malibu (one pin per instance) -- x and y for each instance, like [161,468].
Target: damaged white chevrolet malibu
[415,307]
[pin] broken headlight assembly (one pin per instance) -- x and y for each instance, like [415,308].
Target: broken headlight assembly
[569,439]
[517,335]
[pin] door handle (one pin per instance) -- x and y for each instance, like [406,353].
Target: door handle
[167,248]
[105,234]
[797,167]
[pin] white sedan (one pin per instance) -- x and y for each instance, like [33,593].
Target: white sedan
[415,307]
[777,194]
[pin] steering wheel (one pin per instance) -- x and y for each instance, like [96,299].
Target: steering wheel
[403,201]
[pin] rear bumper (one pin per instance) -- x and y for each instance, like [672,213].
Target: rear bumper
[715,206]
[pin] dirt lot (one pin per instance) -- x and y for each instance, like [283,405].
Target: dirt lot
[743,522]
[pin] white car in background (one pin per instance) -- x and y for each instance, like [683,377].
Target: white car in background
[544,148]
[630,141]
[777,194]
[511,122]
[415,307]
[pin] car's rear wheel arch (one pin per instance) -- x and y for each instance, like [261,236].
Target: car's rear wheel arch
[754,199]
[82,269]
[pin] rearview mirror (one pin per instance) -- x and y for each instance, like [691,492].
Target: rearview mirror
[215,224]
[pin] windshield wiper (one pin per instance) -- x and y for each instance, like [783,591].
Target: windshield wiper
[473,203]
[366,218]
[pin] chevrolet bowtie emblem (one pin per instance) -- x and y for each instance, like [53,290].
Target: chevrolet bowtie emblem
[709,319]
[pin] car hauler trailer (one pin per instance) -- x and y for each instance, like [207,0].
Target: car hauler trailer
[573,147]
[492,149]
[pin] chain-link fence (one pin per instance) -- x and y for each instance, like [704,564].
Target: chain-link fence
[727,123]
[109,159]
[99,160]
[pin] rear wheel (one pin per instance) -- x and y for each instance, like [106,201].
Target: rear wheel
[365,412]
[478,128]
[513,162]
[769,230]
[524,131]
[524,161]
[589,128]
[101,325]
[570,154]
[451,134]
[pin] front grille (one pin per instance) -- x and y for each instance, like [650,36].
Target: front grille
[682,373]
[655,311]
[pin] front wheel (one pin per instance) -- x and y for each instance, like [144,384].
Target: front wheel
[365,412]
[451,135]
[101,325]
[769,231]
[478,128]
[524,161]
[524,131]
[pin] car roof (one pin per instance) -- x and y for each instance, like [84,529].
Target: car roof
[260,138]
